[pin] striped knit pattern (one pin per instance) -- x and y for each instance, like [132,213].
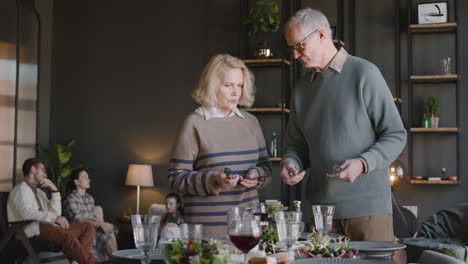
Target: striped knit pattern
[203,149]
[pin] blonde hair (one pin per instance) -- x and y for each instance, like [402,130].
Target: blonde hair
[210,81]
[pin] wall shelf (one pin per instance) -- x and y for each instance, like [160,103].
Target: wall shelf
[434,130]
[275,159]
[339,42]
[434,78]
[267,110]
[439,27]
[266,62]
[433,182]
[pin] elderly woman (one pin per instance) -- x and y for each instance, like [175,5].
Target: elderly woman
[220,158]
[79,207]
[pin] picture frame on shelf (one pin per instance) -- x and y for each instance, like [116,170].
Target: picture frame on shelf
[431,13]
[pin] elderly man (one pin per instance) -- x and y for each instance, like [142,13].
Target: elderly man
[27,202]
[343,114]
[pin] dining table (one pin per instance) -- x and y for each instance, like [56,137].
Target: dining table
[395,260]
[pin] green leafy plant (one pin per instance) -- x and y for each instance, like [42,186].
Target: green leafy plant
[57,157]
[432,106]
[263,17]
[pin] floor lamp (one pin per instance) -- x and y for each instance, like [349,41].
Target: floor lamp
[139,175]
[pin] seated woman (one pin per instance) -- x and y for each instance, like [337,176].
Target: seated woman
[172,218]
[79,207]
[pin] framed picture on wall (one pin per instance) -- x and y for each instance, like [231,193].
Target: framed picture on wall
[429,13]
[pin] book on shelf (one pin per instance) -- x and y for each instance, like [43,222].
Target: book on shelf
[434,178]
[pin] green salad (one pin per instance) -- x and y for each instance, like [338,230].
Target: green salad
[194,252]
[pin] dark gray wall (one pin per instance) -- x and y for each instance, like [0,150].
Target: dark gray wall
[123,72]
[122,77]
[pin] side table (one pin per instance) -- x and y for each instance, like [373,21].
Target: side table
[125,237]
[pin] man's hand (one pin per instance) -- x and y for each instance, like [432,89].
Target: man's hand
[351,170]
[225,183]
[290,175]
[62,222]
[106,227]
[46,183]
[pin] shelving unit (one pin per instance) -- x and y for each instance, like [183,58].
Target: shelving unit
[266,62]
[273,79]
[433,182]
[428,83]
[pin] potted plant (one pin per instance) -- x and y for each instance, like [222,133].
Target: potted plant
[57,157]
[433,108]
[263,17]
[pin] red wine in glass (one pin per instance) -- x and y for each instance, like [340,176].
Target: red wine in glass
[244,242]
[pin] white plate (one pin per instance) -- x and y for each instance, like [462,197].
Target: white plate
[376,249]
[324,260]
[155,254]
[340,260]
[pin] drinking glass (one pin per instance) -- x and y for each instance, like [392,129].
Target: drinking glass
[145,233]
[243,229]
[191,231]
[446,65]
[262,213]
[289,227]
[323,216]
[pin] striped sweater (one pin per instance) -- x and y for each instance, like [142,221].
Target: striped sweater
[202,150]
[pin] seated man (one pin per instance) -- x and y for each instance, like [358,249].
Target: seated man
[27,202]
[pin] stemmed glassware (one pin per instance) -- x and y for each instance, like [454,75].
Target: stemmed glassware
[289,227]
[243,229]
[145,233]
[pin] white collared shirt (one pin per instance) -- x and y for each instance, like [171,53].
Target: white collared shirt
[212,112]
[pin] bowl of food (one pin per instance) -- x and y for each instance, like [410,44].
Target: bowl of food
[195,252]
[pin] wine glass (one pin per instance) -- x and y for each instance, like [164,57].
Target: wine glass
[289,227]
[145,233]
[243,229]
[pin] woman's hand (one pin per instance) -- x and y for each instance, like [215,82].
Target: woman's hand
[250,179]
[106,227]
[226,183]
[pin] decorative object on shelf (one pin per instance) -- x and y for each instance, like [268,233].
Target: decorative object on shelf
[263,17]
[429,13]
[273,146]
[426,121]
[396,172]
[263,51]
[57,157]
[139,175]
[443,173]
[446,65]
[433,107]
[452,178]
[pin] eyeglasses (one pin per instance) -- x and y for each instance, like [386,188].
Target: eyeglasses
[300,46]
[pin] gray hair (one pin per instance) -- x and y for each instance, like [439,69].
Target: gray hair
[309,20]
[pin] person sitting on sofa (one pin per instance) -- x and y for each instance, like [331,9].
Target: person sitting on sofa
[28,202]
[79,207]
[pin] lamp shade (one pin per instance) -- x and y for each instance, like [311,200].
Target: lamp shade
[139,175]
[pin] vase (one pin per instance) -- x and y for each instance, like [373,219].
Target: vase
[263,51]
[434,122]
